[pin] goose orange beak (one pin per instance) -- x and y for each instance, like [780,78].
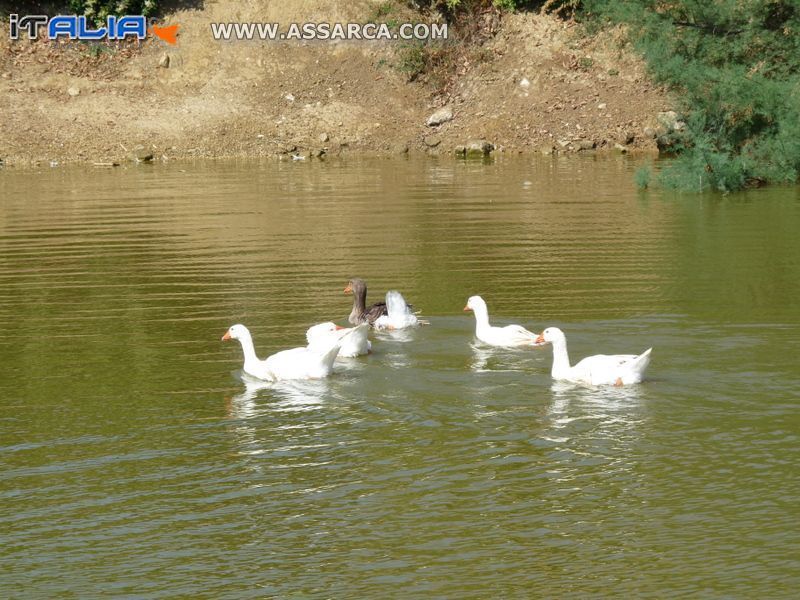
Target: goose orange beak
[226,337]
[467,308]
[348,289]
[339,327]
[540,339]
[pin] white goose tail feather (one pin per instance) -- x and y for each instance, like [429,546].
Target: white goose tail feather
[396,305]
[639,364]
[399,314]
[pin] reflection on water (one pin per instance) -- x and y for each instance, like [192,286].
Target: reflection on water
[434,466]
[621,396]
[492,358]
[259,404]
[292,393]
[615,413]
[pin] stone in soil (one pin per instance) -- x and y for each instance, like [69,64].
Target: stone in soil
[443,115]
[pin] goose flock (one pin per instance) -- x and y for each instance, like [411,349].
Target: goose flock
[327,341]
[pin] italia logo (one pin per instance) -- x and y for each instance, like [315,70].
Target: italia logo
[75,27]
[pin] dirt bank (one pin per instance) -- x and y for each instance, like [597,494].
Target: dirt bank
[538,86]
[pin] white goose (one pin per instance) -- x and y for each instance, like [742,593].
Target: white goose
[600,369]
[509,336]
[353,340]
[297,363]
[399,315]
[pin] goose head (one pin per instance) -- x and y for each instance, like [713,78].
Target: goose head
[321,330]
[550,335]
[236,332]
[357,287]
[475,303]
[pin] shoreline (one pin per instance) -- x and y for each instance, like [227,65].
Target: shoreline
[355,155]
[538,86]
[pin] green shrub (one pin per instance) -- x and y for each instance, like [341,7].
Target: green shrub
[437,62]
[736,67]
[412,59]
[507,5]
[98,10]
[564,7]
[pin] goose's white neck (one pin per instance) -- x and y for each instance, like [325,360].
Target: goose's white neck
[561,367]
[481,318]
[250,358]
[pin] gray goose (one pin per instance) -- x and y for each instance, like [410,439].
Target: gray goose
[360,313]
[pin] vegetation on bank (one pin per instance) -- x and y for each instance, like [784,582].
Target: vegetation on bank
[437,63]
[734,66]
[98,10]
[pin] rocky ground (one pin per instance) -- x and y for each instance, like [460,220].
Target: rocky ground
[538,86]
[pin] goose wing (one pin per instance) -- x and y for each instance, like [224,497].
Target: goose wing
[376,311]
[518,334]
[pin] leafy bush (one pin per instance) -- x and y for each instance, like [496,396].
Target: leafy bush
[98,10]
[736,66]
[412,59]
[451,6]
[437,62]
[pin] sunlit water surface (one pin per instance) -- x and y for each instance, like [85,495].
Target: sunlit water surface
[135,461]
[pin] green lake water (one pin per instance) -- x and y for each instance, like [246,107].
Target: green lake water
[135,462]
